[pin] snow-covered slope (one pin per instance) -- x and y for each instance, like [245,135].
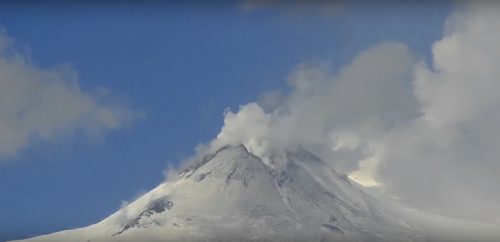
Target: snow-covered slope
[232,195]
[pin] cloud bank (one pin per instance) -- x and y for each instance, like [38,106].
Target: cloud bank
[38,104]
[426,133]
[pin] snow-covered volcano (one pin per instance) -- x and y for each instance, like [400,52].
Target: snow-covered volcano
[233,195]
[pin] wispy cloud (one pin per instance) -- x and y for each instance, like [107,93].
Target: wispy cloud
[45,104]
[424,132]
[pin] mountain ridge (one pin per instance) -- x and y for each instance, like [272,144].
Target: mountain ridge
[232,194]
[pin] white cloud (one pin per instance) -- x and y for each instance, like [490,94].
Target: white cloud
[337,116]
[427,135]
[447,160]
[325,112]
[44,104]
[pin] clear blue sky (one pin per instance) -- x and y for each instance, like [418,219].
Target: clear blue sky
[179,64]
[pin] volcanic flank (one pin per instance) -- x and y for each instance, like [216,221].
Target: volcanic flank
[233,195]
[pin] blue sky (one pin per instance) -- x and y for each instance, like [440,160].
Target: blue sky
[180,65]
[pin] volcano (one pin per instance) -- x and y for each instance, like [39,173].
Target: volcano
[234,195]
